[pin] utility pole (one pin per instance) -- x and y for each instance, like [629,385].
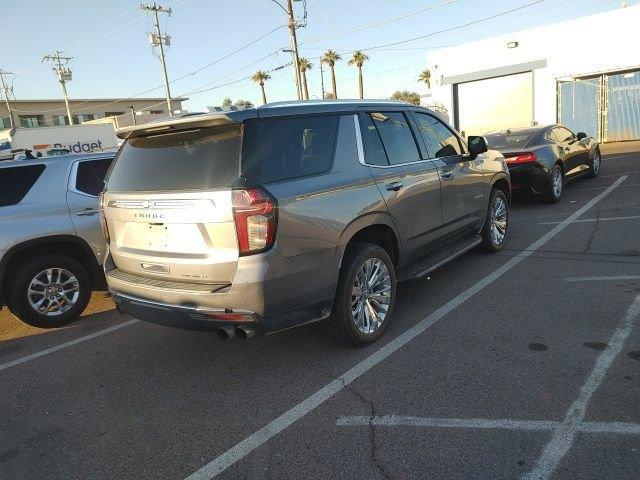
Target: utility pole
[294,47]
[64,75]
[322,79]
[6,91]
[159,40]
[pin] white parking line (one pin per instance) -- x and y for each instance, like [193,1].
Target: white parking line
[619,428]
[603,219]
[258,438]
[70,343]
[564,435]
[602,279]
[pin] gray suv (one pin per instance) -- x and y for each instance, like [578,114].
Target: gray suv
[51,242]
[268,218]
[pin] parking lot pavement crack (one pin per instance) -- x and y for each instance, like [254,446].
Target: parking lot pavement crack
[594,232]
[375,457]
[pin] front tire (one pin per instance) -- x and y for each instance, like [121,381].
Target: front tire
[49,291]
[596,163]
[556,186]
[496,225]
[365,296]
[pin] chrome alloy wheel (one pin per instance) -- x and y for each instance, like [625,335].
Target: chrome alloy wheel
[498,220]
[557,182]
[53,291]
[596,163]
[371,295]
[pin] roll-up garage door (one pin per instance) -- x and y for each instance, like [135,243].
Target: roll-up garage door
[495,104]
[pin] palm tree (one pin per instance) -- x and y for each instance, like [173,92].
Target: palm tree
[358,60]
[425,77]
[305,65]
[227,102]
[260,77]
[330,57]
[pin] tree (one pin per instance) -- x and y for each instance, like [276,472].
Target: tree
[406,96]
[226,103]
[305,65]
[425,77]
[330,57]
[329,96]
[244,103]
[358,60]
[260,77]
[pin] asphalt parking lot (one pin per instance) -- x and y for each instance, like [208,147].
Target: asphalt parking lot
[524,364]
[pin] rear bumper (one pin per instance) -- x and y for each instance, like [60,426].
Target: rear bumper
[531,177]
[268,292]
[184,317]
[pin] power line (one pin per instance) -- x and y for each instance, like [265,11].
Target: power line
[382,22]
[450,29]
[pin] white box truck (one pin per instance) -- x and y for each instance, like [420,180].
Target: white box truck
[46,141]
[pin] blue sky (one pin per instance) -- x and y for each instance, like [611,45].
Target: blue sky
[113,58]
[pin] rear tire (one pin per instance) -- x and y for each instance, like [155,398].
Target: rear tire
[556,185]
[49,291]
[359,315]
[496,224]
[596,164]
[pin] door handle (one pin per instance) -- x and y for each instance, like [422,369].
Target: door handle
[394,186]
[87,212]
[446,173]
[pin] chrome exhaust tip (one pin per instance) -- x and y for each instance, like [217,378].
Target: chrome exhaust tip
[244,332]
[225,332]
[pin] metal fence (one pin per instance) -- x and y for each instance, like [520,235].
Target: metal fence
[606,107]
[623,107]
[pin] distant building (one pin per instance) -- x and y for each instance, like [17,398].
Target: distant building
[583,73]
[49,113]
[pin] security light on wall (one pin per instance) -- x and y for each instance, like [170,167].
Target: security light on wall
[513,44]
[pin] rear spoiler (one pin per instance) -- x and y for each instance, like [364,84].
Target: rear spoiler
[175,124]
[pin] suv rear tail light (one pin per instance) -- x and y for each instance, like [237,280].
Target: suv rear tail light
[103,220]
[254,212]
[519,158]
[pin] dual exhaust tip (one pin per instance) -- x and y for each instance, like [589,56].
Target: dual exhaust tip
[229,331]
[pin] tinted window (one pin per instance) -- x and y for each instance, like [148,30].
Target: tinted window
[373,149]
[296,147]
[90,175]
[396,136]
[204,158]
[439,140]
[509,139]
[15,183]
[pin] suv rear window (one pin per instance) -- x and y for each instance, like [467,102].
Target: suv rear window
[296,147]
[15,183]
[198,159]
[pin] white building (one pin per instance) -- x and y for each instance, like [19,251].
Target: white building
[584,73]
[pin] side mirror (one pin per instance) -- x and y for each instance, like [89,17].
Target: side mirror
[477,145]
[581,135]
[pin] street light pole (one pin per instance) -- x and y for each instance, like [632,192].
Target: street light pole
[160,40]
[294,47]
[64,75]
[133,114]
[5,89]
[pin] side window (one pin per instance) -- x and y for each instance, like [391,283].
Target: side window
[90,176]
[373,149]
[440,141]
[396,136]
[15,183]
[296,147]
[563,134]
